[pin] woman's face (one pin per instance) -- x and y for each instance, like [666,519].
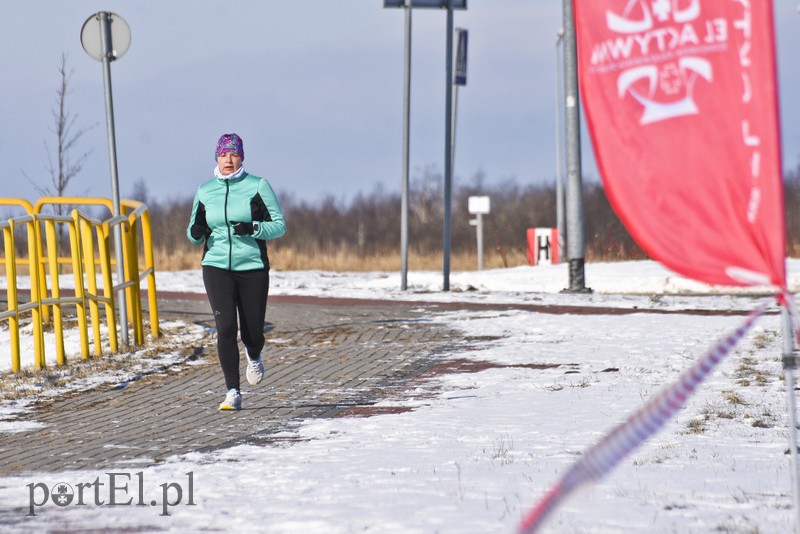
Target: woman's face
[229,162]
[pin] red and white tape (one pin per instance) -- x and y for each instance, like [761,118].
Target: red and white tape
[637,429]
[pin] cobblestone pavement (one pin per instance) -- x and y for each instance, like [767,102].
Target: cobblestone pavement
[324,357]
[320,360]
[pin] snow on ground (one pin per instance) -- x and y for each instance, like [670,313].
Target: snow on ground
[479,449]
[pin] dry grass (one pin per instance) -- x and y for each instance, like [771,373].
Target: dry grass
[285,259]
[338,260]
[176,260]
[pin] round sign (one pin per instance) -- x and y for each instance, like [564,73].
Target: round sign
[120,36]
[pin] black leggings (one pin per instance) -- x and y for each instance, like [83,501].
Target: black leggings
[230,292]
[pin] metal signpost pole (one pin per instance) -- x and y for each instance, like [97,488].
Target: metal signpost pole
[448,167]
[406,150]
[449,5]
[108,55]
[575,237]
[479,206]
[559,148]
[479,216]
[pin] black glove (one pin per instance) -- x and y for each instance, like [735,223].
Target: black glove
[243,228]
[200,227]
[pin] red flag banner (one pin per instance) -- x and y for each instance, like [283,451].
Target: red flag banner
[682,107]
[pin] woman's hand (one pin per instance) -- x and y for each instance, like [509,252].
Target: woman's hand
[200,227]
[243,228]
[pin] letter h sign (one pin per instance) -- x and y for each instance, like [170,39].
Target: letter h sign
[542,246]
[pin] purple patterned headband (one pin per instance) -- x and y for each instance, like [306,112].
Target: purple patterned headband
[230,143]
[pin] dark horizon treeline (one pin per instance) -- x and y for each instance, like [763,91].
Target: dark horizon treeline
[369,224]
[792,208]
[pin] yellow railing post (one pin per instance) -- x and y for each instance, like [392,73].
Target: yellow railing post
[36,294]
[40,268]
[39,315]
[77,274]
[103,246]
[132,276]
[129,284]
[11,290]
[55,290]
[91,282]
[147,242]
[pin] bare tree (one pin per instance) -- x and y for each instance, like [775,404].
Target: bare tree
[64,169]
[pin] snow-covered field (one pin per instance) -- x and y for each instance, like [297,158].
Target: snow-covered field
[479,449]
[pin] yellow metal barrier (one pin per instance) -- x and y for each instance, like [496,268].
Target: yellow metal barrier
[89,249]
[138,222]
[56,300]
[14,309]
[94,234]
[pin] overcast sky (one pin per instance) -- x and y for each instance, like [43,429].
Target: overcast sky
[314,88]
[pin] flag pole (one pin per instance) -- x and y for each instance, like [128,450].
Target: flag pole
[789,366]
[576,246]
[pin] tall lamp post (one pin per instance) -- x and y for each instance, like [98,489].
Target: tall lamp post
[448,152]
[406,150]
[105,37]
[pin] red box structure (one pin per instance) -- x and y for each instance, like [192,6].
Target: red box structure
[542,246]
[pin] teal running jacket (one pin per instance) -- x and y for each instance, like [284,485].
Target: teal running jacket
[247,199]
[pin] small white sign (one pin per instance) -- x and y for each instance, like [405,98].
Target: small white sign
[477,205]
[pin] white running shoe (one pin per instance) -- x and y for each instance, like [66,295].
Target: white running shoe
[255,371]
[233,401]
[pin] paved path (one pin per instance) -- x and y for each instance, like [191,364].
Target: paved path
[320,360]
[324,357]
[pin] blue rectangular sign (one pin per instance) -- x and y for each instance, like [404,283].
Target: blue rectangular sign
[456,4]
[461,57]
